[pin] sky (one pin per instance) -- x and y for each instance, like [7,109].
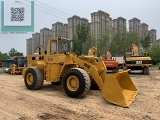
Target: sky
[48,12]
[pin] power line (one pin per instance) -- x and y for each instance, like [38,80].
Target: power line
[43,11]
[52,7]
[49,9]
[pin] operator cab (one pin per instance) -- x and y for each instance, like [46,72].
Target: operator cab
[60,46]
[20,61]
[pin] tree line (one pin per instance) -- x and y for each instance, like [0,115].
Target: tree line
[10,54]
[118,44]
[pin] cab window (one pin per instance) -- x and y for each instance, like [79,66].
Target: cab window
[53,47]
[63,46]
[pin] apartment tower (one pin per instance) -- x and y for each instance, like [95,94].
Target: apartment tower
[29,46]
[45,34]
[59,29]
[101,23]
[35,41]
[72,25]
[135,26]
[153,35]
[144,29]
[119,24]
[158,42]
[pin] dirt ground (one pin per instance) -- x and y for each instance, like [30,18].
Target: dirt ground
[50,103]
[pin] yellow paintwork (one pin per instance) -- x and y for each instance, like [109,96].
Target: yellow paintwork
[138,58]
[120,85]
[73,83]
[134,50]
[29,78]
[117,88]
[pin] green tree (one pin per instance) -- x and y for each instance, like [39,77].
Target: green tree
[103,44]
[146,41]
[122,42]
[154,53]
[82,40]
[14,52]
[4,56]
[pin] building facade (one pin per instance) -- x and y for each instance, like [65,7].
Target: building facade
[72,25]
[65,31]
[144,29]
[153,35]
[35,41]
[45,34]
[158,42]
[135,26]
[60,29]
[119,24]
[101,23]
[29,46]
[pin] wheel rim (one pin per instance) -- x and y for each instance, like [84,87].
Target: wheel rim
[29,78]
[73,83]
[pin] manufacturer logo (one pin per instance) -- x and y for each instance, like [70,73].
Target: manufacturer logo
[138,62]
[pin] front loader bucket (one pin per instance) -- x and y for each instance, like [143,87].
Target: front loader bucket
[119,89]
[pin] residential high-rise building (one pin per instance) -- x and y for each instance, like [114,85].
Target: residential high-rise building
[101,23]
[72,25]
[153,35]
[110,24]
[29,46]
[144,29]
[35,41]
[65,31]
[135,26]
[158,42]
[45,34]
[59,29]
[119,24]
[84,20]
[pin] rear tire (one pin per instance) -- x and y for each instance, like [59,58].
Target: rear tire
[146,70]
[33,78]
[76,82]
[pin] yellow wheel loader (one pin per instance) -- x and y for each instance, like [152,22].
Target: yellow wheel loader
[18,65]
[76,73]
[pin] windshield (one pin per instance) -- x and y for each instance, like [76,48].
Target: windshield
[21,62]
[53,47]
[64,46]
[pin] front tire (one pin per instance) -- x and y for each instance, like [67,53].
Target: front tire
[76,82]
[33,78]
